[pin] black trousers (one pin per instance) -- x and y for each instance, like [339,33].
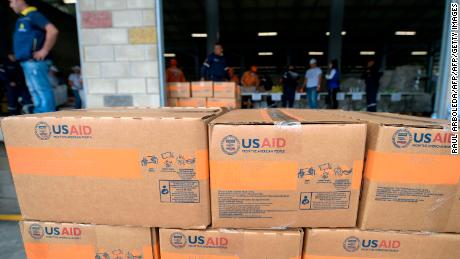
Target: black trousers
[288,97]
[332,98]
[371,97]
[13,93]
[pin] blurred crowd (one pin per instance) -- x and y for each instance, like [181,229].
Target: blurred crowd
[215,69]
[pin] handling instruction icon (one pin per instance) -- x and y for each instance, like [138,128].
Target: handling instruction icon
[164,190]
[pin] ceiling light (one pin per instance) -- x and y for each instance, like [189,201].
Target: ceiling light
[367,53]
[315,53]
[170,55]
[405,33]
[419,53]
[70,1]
[343,33]
[267,34]
[265,53]
[199,35]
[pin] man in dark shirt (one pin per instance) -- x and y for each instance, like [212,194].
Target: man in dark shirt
[371,78]
[33,39]
[290,82]
[215,66]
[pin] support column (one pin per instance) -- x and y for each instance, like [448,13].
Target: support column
[212,24]
[442,86]
[335,29]
[429,67]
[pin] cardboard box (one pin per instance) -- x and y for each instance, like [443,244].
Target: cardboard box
[225,89]
[411,182]
[353,243]
[226,243]
[274,168]
[191,102]
[178,90]
[47,240]
[116,166]
[172,102]
[202,89]
[224,102]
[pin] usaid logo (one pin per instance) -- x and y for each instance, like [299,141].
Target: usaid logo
[351,244]
[402,138]
[230,145]
[178,240]
[36,231]
[43,130]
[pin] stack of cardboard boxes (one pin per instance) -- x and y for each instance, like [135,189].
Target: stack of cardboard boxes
[270,183]
[204,94]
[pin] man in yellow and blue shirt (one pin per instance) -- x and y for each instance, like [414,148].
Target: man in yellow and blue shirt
[33,39]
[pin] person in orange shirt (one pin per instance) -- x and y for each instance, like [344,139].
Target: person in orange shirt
[233,77]
[250,78]
[173,73]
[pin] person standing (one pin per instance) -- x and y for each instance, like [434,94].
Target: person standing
[313,83]
[76,84]
[267,83]
[290,82]
[173,73]
[333,83]
[233,77]
[53,76]
[33,39]
[250,77]
[371,78]
[215,66]
[16,89]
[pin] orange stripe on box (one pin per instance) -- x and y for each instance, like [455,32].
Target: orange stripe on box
[156,250]
[339,257]
[168,255]
[202,164]
[148,253]
[289,114]
[265,115]
[412,168]
[357,174]
[254,175]
[85,162]
[223,88]
[176,88]
[58,251]
[201,87]
[222,103]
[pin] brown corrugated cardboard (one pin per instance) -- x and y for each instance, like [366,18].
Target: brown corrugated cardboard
[47,240]
[176,90]
[356,244]
[411,182]
[231,244]
[172,102]
[202,89]
[117,166]
[273,168]
[191,102]
[225,89]
[224,102]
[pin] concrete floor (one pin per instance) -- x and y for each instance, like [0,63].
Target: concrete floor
[10,238]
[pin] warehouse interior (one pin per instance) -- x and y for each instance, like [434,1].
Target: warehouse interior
[302,27]
[124,48]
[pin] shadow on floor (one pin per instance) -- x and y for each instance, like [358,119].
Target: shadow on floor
[10,241]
